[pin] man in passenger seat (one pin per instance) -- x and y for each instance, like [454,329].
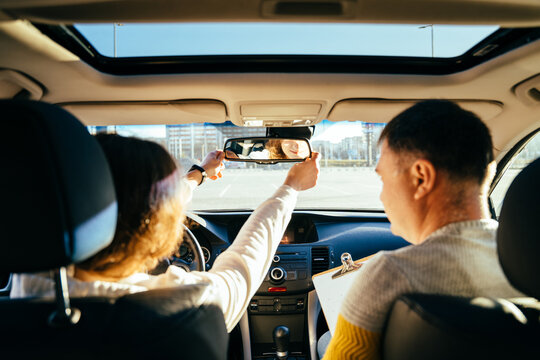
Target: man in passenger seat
[436,165]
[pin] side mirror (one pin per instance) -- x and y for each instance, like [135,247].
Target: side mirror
[267,150]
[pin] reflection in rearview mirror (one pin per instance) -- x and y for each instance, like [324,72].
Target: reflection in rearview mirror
[269,150]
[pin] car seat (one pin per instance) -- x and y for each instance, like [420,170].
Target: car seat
[424,326]
[59,207]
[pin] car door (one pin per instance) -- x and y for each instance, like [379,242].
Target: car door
[522,154]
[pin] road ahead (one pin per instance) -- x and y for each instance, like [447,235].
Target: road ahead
[338,188]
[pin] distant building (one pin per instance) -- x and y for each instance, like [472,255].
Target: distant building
[108,129]
[356,147]
[194,141]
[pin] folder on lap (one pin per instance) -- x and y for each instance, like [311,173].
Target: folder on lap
[332,286]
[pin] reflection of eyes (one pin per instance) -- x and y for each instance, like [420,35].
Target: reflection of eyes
[290,144]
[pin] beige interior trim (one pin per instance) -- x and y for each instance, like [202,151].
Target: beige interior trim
[26,34]
[383,110]
[513,13]
[12,83]
[144,112]
[66,79]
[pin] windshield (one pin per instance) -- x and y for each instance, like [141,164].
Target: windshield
[347,180]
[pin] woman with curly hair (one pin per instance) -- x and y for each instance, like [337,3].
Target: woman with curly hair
[152,195]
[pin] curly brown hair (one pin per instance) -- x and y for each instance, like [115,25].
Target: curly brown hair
[150,209]
[274,148]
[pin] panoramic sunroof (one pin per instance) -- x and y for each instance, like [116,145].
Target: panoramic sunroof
[193,39]
[182,48]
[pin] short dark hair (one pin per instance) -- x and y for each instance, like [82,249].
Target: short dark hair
[450,137]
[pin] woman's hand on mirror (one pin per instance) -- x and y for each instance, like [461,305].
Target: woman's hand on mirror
[304,175]
[213,164]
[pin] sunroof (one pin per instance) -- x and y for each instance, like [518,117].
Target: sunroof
[188,39]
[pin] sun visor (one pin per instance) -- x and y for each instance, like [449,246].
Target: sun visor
[384,110]
[148,112]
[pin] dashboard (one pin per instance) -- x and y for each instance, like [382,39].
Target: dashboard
[313,242]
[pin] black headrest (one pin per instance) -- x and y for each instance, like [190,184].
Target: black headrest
[58,200]
[518,237]
[430,326]
[161,323]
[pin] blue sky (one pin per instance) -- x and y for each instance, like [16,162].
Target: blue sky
[282,38]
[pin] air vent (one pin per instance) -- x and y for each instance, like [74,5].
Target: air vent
[528,91]
[319,259]
[534,93]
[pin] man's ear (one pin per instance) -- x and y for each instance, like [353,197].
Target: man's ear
[488,179]
[423,176]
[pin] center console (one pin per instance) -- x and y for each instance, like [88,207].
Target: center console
[281,302]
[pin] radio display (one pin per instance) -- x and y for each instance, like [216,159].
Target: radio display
[300,230]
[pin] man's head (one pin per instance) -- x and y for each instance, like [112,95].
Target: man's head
[434,150]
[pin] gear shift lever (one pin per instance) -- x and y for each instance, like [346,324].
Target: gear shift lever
[281,336]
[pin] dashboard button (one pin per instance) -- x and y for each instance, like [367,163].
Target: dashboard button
[291,275]
[276,258]
[277,274]
[302,275]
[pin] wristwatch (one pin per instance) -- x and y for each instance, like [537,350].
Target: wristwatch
[201,169]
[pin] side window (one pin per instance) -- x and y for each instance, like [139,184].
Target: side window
[528,153]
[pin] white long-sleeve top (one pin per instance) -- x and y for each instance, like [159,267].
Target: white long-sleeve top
[234,278]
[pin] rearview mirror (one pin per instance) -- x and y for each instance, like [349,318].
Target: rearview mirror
[267,150]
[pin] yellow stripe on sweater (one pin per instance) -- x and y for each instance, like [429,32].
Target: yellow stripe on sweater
[352,342]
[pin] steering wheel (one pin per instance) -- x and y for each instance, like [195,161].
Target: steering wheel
[197,263]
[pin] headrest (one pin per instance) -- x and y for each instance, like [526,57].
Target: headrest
[432,326]
[58,200]
[518,237]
